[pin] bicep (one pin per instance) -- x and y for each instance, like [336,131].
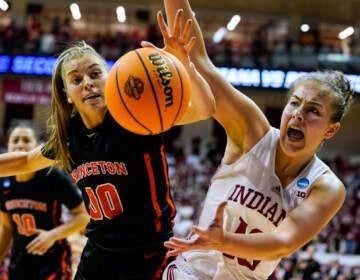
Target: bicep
[238,114]
[305,221]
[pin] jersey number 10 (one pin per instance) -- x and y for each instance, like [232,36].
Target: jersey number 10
[104,202]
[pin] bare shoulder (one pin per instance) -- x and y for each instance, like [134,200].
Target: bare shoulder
[330,180]
[330,186]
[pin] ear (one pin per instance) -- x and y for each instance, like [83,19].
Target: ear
[332,130]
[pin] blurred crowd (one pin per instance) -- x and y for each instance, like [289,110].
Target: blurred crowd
[190,168]
[264,49]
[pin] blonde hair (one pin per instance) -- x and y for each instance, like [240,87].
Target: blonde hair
[61,109]
[337,84]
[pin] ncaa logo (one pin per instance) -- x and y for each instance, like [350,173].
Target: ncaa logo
[6,183]
[302,183]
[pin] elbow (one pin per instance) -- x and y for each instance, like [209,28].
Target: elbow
[87,218]
[206,114]
[210,109]
[278,246]
[285,248]
[82,217]
[202,111]
[280,254]
[83,220]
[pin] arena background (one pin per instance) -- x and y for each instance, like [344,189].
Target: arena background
[267,40]
[269,20]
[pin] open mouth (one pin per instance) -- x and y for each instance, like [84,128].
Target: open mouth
[295,134]
[91,97]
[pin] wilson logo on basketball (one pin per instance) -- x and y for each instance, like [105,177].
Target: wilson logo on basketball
[165,76]
[134,87]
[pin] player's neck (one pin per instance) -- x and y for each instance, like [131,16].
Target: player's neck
[287,168]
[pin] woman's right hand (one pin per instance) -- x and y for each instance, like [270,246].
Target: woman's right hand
[212,238]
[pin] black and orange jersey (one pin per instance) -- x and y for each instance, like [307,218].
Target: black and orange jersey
[37,203]
[124,182]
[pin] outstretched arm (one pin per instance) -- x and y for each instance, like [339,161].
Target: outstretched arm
[178,42]
[14,163]
[242,119]
[299,227]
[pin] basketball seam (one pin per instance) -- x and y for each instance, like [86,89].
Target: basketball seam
[125,105]
[181,85]
[153,91]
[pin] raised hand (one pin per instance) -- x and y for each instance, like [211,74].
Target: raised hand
[211,238]
[176,39]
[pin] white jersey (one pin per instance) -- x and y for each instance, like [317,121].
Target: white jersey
[257,202]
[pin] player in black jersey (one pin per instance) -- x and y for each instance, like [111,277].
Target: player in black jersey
[123,176]
[30,209]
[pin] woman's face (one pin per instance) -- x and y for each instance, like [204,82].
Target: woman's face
[84,78]
[22,139]
[305,121]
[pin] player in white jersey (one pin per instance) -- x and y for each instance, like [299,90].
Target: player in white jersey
[256,202]
[271,194]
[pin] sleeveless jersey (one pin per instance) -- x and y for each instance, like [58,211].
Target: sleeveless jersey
[37,203]
[124,183]
[257,202]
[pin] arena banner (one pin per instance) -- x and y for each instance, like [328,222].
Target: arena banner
[22,65]
[26,91]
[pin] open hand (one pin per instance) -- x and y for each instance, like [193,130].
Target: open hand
[211,238]
[41,243]
[176,39]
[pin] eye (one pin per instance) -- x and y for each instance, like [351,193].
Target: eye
[293,102]
[96,74]
[314,110]
[26,140]
[76,80]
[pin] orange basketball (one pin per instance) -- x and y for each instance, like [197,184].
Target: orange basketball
[147,91]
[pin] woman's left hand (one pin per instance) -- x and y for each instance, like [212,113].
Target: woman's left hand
[176,39]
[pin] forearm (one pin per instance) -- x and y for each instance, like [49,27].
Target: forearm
[76,224]
[202,104]
[14,163]
[256,246]
[199,57]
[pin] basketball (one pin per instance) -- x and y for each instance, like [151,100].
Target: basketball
[147,91]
